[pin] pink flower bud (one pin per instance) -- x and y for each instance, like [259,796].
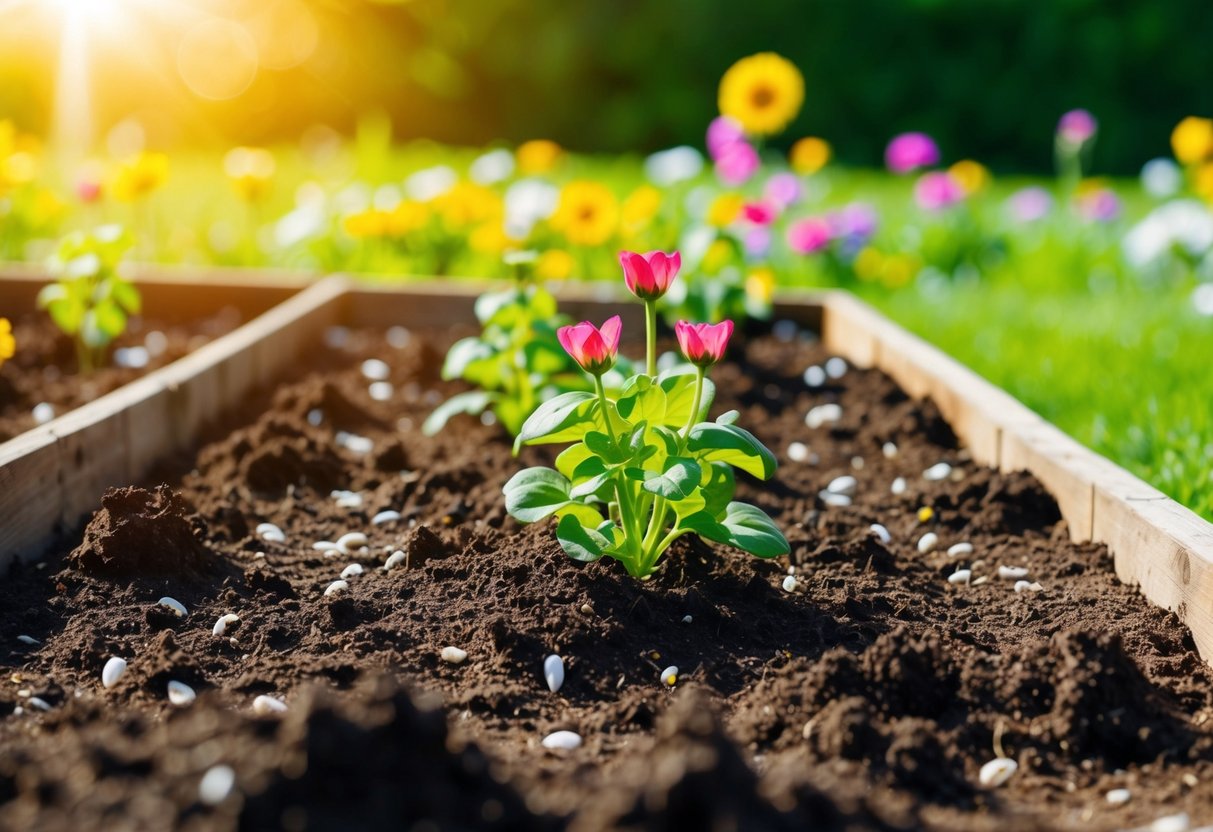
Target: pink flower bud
[910,151]
[937,190]
[722,132]
[760,213]
[810,235]
[649,275]
[703,344]
[594,349]
[737,162]
[1077,127]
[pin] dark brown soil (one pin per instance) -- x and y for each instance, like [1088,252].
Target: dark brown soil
[868,699]
[44,368]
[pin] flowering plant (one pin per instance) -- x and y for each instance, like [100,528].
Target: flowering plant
[645,466]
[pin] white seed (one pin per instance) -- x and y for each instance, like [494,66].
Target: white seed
[832,499]
[39,703]
[686,619]
[268,531]
[335,587]
[1025,586]
[960,576]
[928,542]
[351,543]
[30,640]
[669,676]
[265,705]
[347,499]
[382,517]
[1012,573]
[981,580]
[1118,797]
[823,414]
[112,672]
[398,337]
[376,370]
[958,549]
[173,604]
[354,443]
[1171,823]
[563,740]
[180,694]
[843,485]
[43,413]
[814,376]
[997,771]
[553,672]
[790,583]
[324,545]
[333,553]
[836,367]
[315,417]
[889,450]
[881,533]
[937,472]
[798,452]
[216,785]
[857,462]
[899,486]
[454,655]
[352,571]
[381,391]
[222,624]
[395,560]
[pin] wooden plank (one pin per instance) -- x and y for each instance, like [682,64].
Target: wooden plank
[30,494]
[92,454]
[290,329]
[848,328]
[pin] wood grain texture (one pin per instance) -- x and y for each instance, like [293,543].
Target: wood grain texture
[30,494]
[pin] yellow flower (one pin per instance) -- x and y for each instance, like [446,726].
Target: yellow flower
[250,170]
[538,156]
[407,217]
[45,207]
[139,176]
[490,238]
[810,155]
[717,256]
[1202,182]
[1192,140]
[898,270]
[588,213]
[763,93]
[641,207]
[724,209]
[555,264]
[467,204]
[971,176]
[8,344]
[868,263]
[760,284]
[366,224]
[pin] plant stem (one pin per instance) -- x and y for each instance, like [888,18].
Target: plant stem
[694,415]
[604,405]
[650,331]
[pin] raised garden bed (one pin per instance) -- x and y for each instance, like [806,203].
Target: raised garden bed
[868,695]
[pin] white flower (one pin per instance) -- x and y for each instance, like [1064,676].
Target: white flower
[492,167]
[1185,223]
[430,183]
[527,202]
[1161,178]
[669,167]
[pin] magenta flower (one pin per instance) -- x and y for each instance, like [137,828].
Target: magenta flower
[737,162]
[1029,204]
[1098,205]
[594,349]
[703,344]
[1077,127]
[759,213]
[936,191]
[722,132]
[809,235]
[910,151]
[649,275]
[783,189]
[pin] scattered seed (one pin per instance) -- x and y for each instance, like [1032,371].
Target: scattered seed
[686,619]
[349,544]
[1012,573]
[937,472]
[376,370]
[354,443]
[790,583]
[30,640]
[335,587]
[180,694]
[981,580]
[832,499]
[889,450]
[857,462]
[347,499]
[454,655]
[270,532]
[669,676]
[216,785]
[553,672]
[586,609]
[823,414]
[333,553]
[881,533]
[928,542]
[381,391]
[324,545]
[1025,586]
[562,740]
[798,452]
[926,514]
[351,571]
[224,621]
[899,486]
[39,703]
[1171,823]
[836,367]
[997,771]
[1118,797]
[394,560]
[315,417]
[960,576]
[43,413]
[173,604]
[845,485]
[958,549]
[814,376]
[265,705]
[382,517]
[112,672]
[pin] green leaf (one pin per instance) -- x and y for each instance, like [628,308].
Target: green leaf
[126,295]
[580,543]
[719,489]
[668,437]
[571,457]
[490,304]
[109,319]
[679,387]
[744,526]
[462,353]
[642,401]
[729,417]
[535,493]
[471,402]
[677,481]
[560,419]
[734,445]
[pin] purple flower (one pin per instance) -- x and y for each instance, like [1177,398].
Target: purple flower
[1077,127]
[783,189]
[736,163]
[1029,204]
[757,242]
[911,151]
[722,132]
[1097,205]
[809,235]
[856,222]
[936,191]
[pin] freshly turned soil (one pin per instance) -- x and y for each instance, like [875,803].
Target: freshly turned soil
[867,699]
[45,368]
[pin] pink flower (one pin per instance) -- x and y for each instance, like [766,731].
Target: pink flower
[737,162]
[703,344]
[649,275]
[783,189]
[594,349]
[809,235]
[1098,205]
[759,213]
[758,242]
[936,191]
[1029,204]
[722,132]
[1077,127]
[911,151]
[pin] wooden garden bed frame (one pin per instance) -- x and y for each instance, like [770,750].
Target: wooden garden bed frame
[52,478]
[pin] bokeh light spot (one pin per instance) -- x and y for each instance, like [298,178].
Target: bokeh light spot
[218,59]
